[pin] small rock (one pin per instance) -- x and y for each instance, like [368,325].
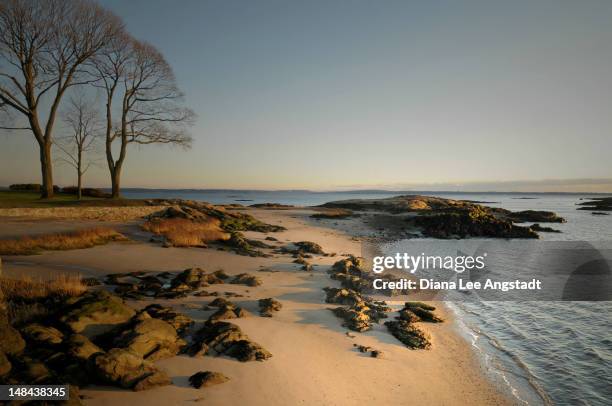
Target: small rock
[204,379]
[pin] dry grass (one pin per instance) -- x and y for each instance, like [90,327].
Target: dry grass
[60,241]
[185,233]
[26,288]
[23,296]
[332,214]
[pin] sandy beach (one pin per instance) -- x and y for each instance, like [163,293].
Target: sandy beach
[313,360]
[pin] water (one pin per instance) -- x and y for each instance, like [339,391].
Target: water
[542,352]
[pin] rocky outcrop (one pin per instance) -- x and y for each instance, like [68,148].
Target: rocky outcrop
[268,306]
[204,379]
[421,311]
[599,204]
[179,321]
[96,313]
[80,347]
[223,338]
[127,369]
[42,335]
[472,222]
[228,311]
[532,216]
[539,228]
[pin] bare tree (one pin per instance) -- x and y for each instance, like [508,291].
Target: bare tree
[148,108]
[43,46]
[83,121]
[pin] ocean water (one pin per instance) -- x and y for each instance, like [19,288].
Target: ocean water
[542,352]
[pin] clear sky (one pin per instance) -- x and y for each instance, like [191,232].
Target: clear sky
[376,94]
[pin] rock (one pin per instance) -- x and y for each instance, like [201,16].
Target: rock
[600,213]
[301,261]
[309,247]
[223,338]
[220,302]
[307,268]
[179,321]
[125,368]
[96,313]
[11,341]
[270,238]
[599,205]
[91,282]
[207,378]
[342,296]
[152,339]
[376,354]
[473,222]
[533,216]
[241,246]
[537,227]
[196,278]
[228,312]
[354,318]
[362,348]
[246,279]
[5,365]
[408,334]
[418,311]
[268,306]
[42,335]
[80,347]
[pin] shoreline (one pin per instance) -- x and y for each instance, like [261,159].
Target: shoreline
[309,346]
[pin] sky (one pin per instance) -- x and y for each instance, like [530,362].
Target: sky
[322,95]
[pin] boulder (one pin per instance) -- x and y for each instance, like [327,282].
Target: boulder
[342,296]
[309,247]
[150,338]
[80,347]
[11,341]
[127,369]
[228,311]
[42,335]
[96,313]
[207,378]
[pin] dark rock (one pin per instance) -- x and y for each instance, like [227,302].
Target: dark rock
[537,227]
[408,334]
[268,306]
[533,216]
[223,338]
[5,365]
[246,279]
[79,347]
[228,311]
[207,378]
[179,321]
[309,247]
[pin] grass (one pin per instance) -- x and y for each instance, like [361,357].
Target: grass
[24,199]
[60,241]
[26,288]
[186,233]
[25,296]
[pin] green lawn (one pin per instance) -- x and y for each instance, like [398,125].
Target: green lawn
[17,199]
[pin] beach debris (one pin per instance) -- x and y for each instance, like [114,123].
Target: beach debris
[268,306]
[204,379]
[224,338]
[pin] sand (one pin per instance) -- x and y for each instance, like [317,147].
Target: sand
[314,361]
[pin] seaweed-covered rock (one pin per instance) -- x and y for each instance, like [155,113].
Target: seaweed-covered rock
[246,279]
[127,369]
[419,311]
[204,379]
[152,339]
[268,306]
[42,335]
[409,335]
[96,313]
[354,318]
[223,338]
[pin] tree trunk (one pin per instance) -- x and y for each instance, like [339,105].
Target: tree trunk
[116,183]
[79,185]
[46,170]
